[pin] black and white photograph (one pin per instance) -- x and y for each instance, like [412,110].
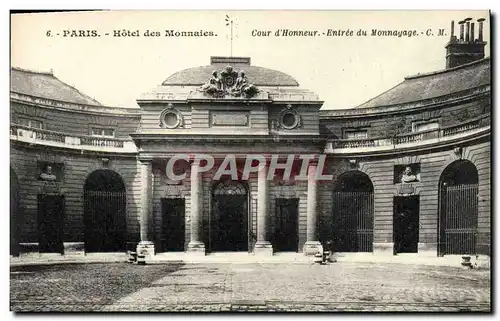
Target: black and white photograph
[266,161]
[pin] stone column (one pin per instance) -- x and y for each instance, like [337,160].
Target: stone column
[312,244]
[195,244]
[146,245]
[262,246]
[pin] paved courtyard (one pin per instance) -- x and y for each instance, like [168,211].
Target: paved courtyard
[248,287]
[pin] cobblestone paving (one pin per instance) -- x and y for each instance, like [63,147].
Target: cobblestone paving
[248,287]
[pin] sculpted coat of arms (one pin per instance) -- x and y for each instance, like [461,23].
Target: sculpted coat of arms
[230,83]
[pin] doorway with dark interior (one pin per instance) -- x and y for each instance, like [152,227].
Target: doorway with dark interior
[286,232]
[229,218]
[406,224]
[104,212]
[173,224]
[50,223]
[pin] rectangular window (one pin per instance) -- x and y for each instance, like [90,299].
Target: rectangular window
[424,126]
[355,134]
[102,132]
[31,123]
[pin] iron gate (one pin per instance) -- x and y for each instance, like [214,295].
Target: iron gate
[228,225]
[353,221]
[105,222]
[458,219]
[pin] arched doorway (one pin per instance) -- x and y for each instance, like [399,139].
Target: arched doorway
[229,219]
[353,213]
[104,212]
[458,209]
[14,213]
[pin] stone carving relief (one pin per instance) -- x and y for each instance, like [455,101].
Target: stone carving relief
[458,152]
[409,175]
[230,83]
[50,172]
[50,175]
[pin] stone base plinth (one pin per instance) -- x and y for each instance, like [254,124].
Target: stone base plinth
[312,247]
[427,249]
[196,248]
[383,248]
[263,248]
[74,248]
[146,247]
[28,249]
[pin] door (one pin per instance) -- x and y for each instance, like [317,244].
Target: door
[353,221]
[458,219]
[50,223]
[104,221]
[286,236]
[173,224]
[230,223]
[405,224]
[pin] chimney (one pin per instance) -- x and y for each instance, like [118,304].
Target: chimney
[480,35]
[452,35]
[472,32]
[461,23]
[467,29]
[466,49]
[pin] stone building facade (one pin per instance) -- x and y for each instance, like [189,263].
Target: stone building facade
[410,168]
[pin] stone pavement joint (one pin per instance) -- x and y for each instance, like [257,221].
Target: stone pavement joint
[248,287]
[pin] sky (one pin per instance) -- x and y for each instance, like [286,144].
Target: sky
[344,71]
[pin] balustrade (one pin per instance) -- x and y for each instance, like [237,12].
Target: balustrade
[479,122]
[43,135]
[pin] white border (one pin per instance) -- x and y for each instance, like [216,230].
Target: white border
[189,4]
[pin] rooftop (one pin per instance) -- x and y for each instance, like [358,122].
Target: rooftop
[46,85]
[434,84]
[258,76]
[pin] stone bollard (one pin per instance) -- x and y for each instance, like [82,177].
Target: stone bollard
[132,256]
[326,256]
[466,263]
[318,258]
[141,258]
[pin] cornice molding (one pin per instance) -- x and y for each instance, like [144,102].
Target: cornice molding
[73,107]
[438,102]
[226,138]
